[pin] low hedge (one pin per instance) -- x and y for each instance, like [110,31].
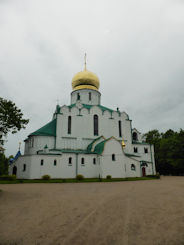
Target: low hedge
[8,177]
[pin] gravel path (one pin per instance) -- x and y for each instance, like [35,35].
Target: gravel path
[128,213]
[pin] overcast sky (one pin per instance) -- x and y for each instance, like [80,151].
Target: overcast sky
[135,47]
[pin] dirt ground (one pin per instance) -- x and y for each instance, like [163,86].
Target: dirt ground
[128,213]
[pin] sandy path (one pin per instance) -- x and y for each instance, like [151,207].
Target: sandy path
[127,213]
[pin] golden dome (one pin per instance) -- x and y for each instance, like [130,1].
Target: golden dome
[85,80]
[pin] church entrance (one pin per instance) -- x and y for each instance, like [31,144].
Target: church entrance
[15,170]
[143,171]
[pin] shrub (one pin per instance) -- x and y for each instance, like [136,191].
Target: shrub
[158,175]
[79,177]
[8,177]
[108,177]
[46,177]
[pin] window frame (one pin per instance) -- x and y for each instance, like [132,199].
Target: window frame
[120,128]
[113,157]
[95,125]
[69,124]
[82,161]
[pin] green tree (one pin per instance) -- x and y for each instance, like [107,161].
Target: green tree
[169,151]
[11,118]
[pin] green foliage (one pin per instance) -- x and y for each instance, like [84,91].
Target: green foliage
[11,118]
[3,164]
[46,177]
[108,177]
[79,177]
[8,177]
[169,151]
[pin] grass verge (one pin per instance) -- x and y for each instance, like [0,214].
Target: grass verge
[85,180]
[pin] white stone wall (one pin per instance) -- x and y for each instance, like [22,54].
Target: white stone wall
[36,143]
[82,131]
[84,96]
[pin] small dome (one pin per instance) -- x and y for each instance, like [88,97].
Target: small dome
[85,80]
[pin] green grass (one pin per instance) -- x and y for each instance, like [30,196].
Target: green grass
[85,180]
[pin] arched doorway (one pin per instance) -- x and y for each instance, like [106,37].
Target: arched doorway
[14,170]
[143,171]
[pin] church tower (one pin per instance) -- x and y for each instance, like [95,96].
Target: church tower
[85,85]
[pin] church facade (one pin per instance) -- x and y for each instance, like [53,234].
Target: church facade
[85,138]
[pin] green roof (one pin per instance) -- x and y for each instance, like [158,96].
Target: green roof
[89,147]
[100,147]
[48,130]
[103,108]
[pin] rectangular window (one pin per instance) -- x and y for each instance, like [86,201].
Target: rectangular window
[94,160]
[120,134]
[24,167]
[78,96]
[55,162]
[89,95]
[41,163]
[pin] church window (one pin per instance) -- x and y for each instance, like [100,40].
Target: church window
[134,135]
[145,150]
[82,160]
[69,124]
[24,167]
[113,157]
[135,149]
[120,134]
[70,160]
[41,163]
[94,160]
[78,96]
[133,167]
[55,162]
[95,124]
[89,95]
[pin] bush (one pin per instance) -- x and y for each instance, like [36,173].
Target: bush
[8,177]
[46,177]
[108,177]
[158,175]
[79,177]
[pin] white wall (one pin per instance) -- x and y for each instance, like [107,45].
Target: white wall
[84,96]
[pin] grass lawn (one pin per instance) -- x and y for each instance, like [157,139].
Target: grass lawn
[85,180]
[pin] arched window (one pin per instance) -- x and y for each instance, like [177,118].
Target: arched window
[69,124]
[113,157]
[78,96]
[94,160]
[89,95]
[135,149]
[133,167]
[41,163]
[24,167]
[70,160]
[145,150]
[82,160]
[120,134]
[55,162]
[134,135]
[95,119]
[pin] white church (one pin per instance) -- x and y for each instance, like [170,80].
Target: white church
[85,138]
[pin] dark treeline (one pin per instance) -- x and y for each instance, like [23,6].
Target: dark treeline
[169,151]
